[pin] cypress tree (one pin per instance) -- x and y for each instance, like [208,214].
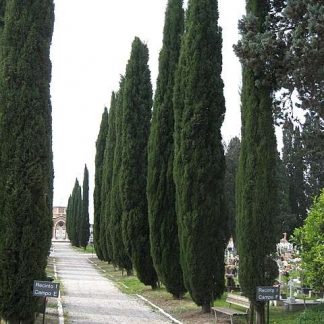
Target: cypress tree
[199,157]
[293,160]
[256,212]
[137,103]
[77,216]
[107,181]
[160,185]
[119,253]
[313,145]
[100,149]
[85,226]
[68,216]
[26,163]
[232,157]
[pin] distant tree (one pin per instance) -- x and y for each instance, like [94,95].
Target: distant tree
[119,253]
[74,214]
[26,161]
[137,104]
[199,163]
[107,174]
[286,220]
[289,50]
[100,149]
[313,144]
[256,185]
[293,159]
[160,185]
[85,225]
[232,157]
[310,238]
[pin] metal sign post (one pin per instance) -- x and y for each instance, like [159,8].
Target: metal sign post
[45,289]
[265,294]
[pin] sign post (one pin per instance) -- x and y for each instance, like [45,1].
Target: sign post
[267,293]
[45,289]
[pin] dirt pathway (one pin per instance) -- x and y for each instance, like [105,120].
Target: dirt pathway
[90,298]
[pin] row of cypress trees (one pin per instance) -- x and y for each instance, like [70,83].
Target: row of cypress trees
[159,200]
[77,213]
[26,162]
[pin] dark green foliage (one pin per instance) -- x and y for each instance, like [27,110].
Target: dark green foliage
[26,166]
[313,145]
[289,50]
[286,218]
[119,255]
[85,225]
[74,215]
[100,149]
[160,184]
[256,191]
[293,159]
[107,173]
[199,163]
[232,157]
[137,103]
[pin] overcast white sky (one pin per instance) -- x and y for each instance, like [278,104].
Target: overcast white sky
[90,48]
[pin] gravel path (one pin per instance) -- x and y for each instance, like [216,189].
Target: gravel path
[91,298]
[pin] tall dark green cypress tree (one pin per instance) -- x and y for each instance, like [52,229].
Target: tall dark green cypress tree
[160,185]
[69,216]
[232,157]
[137,104]
[293,160]
[26,163]
[119,253]
[199,157]
[107,181]
[313,144]
[85,225]
[100,149]
[256,209]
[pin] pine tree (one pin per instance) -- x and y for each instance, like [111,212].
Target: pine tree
[137,103]
[232,157]
[257,189]
[199,157]
[107,181]
[119,253]
[160,185]
[75,214]
[100,149]
[26,166]
[85,225]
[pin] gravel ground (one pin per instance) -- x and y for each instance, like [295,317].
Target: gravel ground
[88,297]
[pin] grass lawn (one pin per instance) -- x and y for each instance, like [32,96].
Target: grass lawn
[184,310]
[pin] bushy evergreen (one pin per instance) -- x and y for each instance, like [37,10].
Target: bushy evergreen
[160,184]
[119,254]
[107,182]
[199,157]
[256,209]
[137,104]
[26,163]
[100,149]
[85,225]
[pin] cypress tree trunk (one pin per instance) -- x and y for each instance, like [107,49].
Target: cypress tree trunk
[160,184]
[199,158]
[137,103]
[26,163]
[100,149]
[120,256]
[85,226]
[107,180]
[256,209]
